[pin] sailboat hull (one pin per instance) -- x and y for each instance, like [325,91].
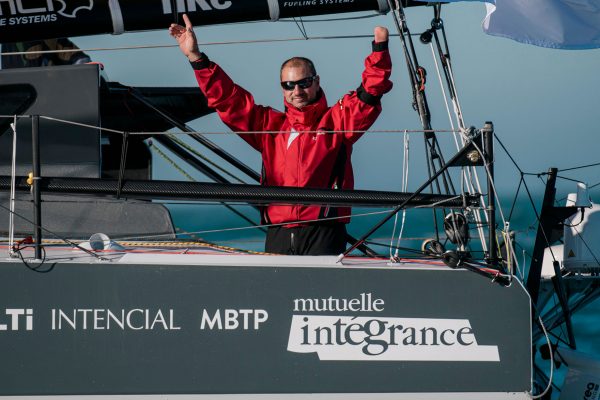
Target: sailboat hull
[155,322]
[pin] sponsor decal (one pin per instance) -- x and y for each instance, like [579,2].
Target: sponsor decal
[96,319]
[380,338]
[312,3]
[591,391]
[22,12]
[15,319]
[70,8]
[195,5]
[134,319]
[231,319]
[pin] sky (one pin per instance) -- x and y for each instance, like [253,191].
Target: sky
[544,103]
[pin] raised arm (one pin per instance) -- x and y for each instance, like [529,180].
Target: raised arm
[234,104]
[378,66]
[359,110]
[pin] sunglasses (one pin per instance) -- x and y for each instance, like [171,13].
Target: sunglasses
[303,83]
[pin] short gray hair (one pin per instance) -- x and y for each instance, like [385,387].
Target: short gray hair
[299,61]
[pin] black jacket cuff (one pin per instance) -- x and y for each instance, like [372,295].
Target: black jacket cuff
[367,97]
[201,63]
[381,46]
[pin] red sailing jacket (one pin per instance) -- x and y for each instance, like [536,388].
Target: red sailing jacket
[319,157]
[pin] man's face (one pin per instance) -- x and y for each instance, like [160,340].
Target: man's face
[299,97]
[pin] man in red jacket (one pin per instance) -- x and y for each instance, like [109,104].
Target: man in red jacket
[308,145]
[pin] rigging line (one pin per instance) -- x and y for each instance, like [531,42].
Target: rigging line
[537,217]
[419,99]
[446,64]
[472,172]
[509,155]
[446,179]
[304,28]
[405,166]
[542,180]
[470,187]
[67,122]
[404,188]
[538,174]
[579,167]
[170,161]
[205,44]
[409,36]
[511,256]
[429,173]
[13,174]
[227,206]
[569,179]
[124,148]
[69,242]
[156,133]
[203,157]
[242,228]
[444,95]
[512,208]
[563,333]
[301,27]
[456,99]
[493,184]
[402,29]
[590,294]
[556,319]
[586,245]
[445,60]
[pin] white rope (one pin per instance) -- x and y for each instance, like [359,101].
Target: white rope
[472,172]
[439,202]
[457,106]
[539,396]
[405,170]
[464,179]
[520,273]
[493,185]
[444,95]
[13,175]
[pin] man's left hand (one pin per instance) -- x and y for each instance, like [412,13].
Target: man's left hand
[381,34]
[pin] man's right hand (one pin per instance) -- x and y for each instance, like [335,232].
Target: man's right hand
[186,39]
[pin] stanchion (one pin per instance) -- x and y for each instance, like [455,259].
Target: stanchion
[37,198]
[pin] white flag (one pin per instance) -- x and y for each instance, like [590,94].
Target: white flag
[559,24]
